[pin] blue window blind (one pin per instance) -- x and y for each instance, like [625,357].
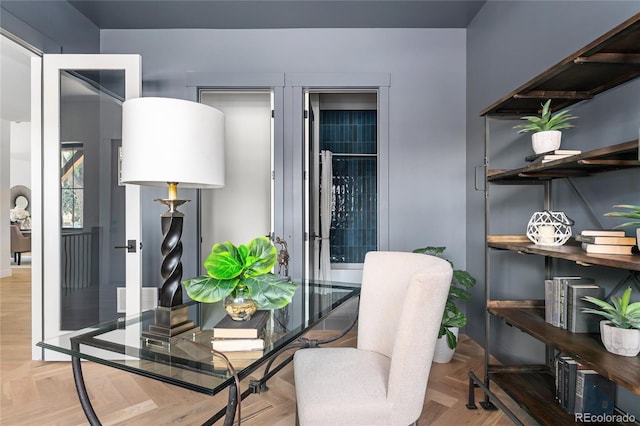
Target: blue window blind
[352,138]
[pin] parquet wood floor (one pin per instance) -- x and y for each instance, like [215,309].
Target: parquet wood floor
[43,393]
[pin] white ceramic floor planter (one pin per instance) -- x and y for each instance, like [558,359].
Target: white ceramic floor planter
[443,353]
[546,141]
[620,341]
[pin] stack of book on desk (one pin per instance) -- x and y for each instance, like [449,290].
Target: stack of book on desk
[606,241]
[552,155]
[242,342]
[580,390]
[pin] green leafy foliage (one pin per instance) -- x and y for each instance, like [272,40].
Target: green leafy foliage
[461,282]
[546,120]
[633,213]
[620,312]
[246,267]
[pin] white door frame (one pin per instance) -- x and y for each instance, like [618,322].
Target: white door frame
[46,182]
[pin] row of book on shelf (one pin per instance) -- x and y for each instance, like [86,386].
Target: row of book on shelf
[606,241]
[564,304]
[242,342]
[582,390]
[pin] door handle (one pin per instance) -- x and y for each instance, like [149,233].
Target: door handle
[131,246]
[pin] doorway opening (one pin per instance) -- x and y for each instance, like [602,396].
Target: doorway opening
[244,208]
[341,200]
[15,154]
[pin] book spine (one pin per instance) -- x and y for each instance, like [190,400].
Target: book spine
[548,301]
[572,370]
[556,303]
[579,400]
[562,315]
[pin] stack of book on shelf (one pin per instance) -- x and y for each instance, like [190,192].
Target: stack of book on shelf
[563,303]
[580,390]
[242,342]
[607,241]
[552,155]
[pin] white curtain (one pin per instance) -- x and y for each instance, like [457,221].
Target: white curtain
[326,207]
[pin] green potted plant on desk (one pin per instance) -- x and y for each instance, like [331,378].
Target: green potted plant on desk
[242,277]
[452,318]
[546,128]
[633,212]
[620,331]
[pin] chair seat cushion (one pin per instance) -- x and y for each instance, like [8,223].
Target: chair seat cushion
[342,386]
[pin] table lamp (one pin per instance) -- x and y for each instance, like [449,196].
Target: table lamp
[172,142]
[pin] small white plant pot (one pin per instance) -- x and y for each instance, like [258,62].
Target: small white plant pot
[443,353]
[620,341]
[546,141]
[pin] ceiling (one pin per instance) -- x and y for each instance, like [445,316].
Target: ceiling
[227,14]
[235,14]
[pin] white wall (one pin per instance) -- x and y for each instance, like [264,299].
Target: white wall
[427,99]
[20,136]
[5,241]
[241,210]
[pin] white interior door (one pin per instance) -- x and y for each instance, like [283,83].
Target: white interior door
[88,217]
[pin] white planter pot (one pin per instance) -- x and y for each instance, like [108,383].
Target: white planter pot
[638,237]
[620,341]
[443,353]
[546,141]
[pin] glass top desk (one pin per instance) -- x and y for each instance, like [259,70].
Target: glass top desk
[186,360]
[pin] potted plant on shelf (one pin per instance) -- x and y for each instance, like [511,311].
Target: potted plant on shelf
[452,318]
[546,128]
[242,277]
[632,213]
[620,331]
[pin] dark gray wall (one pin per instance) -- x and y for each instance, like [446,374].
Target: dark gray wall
[50,26]
[426,104]
[509,43]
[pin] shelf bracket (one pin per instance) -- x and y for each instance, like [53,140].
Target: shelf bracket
[633,278]
[585,203]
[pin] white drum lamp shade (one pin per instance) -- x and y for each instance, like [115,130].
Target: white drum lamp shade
[172,140]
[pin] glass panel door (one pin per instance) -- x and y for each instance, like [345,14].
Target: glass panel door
[91,222]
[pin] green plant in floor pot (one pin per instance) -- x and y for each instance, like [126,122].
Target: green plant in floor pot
[452,318]
[632,212]
[242,277]
[546,128]
[620,330]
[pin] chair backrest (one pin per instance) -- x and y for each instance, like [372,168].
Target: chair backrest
[401,305]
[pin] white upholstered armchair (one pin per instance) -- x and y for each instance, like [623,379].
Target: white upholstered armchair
[384,380]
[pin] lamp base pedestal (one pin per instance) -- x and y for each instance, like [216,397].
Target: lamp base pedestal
[170,322]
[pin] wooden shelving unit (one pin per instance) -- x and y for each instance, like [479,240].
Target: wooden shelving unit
[609,61]
[573,252]
[610,158]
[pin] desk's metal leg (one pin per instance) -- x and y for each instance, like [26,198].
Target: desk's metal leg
[232,405]
[229,413]
[82,390]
